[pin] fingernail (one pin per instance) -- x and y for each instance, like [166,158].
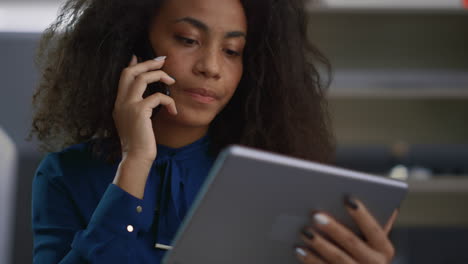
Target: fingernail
[301,252]
[307,233]
[160,58]
[350,202]
[173,78]
[321,219]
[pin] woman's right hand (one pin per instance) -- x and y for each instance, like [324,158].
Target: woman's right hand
[132,113]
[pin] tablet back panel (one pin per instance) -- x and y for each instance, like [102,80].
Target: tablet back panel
[253,205]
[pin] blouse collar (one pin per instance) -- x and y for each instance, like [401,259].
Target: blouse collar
[165,152]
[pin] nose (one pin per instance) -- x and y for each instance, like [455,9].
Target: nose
[208,64]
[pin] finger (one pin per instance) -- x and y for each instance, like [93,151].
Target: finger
[124,82]
[133,61]
[345,238]
[369,226]
[141,83]
[306,256]
[331,253]
[388,227]
[134,69]
[145,66]
[157,99]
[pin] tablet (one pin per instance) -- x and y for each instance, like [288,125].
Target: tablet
[253,205]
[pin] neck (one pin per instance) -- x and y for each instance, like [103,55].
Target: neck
[174,135]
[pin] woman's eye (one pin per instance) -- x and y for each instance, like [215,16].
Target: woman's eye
[186,41]
[232,53]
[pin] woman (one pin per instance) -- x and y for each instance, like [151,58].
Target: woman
[237,71]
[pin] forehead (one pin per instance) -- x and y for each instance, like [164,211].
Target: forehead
[222,15]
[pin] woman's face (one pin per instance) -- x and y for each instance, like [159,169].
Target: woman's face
[203,41]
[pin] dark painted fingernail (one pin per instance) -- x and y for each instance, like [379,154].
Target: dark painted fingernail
[349,201]
[173,78]
[308,234]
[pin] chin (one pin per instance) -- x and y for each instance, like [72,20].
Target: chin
[191,117]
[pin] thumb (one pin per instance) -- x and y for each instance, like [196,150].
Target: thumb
[133,61]
[391,221]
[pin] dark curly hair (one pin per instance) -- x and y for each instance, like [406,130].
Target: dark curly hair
[278,106]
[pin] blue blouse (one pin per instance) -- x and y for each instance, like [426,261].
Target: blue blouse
[79,216]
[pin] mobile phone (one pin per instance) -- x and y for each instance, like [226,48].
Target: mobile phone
[144,51]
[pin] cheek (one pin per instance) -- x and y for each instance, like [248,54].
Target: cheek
[175,64]
[235,77]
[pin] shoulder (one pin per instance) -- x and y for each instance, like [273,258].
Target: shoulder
[74,176]
[73,162]
[69,157]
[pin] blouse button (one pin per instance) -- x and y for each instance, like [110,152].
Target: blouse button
[130,228]
[139,209]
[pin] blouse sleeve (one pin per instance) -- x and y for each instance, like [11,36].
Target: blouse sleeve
[62,236]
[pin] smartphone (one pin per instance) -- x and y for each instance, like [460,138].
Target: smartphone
[144,51]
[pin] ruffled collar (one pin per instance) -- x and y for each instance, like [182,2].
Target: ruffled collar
[165,152]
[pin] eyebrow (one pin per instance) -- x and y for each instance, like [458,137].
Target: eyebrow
[202,26]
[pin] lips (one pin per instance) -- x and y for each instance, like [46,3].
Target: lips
[210,95]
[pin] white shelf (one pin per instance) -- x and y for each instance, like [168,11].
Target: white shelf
[408,93]
[389,5]
[438,202]
[399,84]
[440,184]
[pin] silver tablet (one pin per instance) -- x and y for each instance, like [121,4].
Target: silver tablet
[253,205]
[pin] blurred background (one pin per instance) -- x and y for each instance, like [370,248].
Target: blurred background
[399,104]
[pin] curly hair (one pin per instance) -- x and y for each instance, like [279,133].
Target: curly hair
[279,105]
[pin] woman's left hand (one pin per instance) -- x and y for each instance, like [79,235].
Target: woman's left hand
[343,245]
